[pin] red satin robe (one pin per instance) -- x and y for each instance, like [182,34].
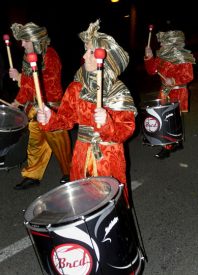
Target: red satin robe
[119,127]
[51,80]
[182,74]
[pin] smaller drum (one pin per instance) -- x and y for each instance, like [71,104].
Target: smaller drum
[161,122]
[14,136]
[85,227]
[13,123]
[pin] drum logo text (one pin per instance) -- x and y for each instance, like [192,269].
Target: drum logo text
[72,259]
[151,124]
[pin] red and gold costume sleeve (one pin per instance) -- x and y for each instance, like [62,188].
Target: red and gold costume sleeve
[27,90]
[51,88]
[119,126]
[52,76]
[182,73]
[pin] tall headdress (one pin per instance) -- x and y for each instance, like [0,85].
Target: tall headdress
[37,35]
[117,58]
[32,32]
[172,47]
[115,94]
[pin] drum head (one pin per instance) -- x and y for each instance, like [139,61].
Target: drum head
[71,201]
[158,103]
[12,119]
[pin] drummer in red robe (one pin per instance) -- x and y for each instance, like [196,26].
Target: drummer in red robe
[98,151]
[41,144]
[174,64]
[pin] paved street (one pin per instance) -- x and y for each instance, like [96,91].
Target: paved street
[165,196]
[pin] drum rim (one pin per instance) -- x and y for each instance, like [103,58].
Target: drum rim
[14,128]
[68,220]
[158,100]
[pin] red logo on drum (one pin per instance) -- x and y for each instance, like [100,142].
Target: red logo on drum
[151,124]
[72,259]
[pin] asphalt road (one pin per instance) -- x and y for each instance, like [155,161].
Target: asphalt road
[164,194]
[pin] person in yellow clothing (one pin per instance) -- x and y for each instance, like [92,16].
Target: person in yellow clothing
[41,144]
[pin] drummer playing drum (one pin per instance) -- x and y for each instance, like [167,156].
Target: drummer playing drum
[174,65]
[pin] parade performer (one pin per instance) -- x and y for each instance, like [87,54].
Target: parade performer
[41,144]
[174,64]
[98,151]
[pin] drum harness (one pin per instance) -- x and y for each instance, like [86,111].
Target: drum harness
[167,89]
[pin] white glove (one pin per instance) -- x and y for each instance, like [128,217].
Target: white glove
[100,116]
[169,81]
[148,53]
[15,104]
[43,116]
[14,74]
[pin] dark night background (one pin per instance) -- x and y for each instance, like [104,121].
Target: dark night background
[65,19]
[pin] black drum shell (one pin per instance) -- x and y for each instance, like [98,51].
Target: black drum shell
[161,122]
[107,236]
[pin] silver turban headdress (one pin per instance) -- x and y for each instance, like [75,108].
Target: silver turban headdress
[172,47]
[117,58]
[115,94]
[32,32]
[171,38]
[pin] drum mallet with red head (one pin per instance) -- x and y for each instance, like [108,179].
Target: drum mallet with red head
[32,59]
[150,33]
[6,38]
[100,55]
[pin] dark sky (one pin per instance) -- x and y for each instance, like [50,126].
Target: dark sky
[64,19]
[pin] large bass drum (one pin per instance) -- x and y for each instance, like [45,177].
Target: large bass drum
[13,136]
[84,227]
[161,122]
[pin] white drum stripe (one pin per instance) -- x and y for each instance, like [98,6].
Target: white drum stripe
[14,248]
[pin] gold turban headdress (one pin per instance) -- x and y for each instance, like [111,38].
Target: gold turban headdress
[32,32]
[172,47]
[115,94]
[117,58]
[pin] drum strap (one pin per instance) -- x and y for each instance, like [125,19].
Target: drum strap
[166,89]
[87,134]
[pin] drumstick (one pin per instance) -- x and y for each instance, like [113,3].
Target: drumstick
[6,38]
[149,37]
[162,76]
[32,59]
[99,54]
[5,102]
